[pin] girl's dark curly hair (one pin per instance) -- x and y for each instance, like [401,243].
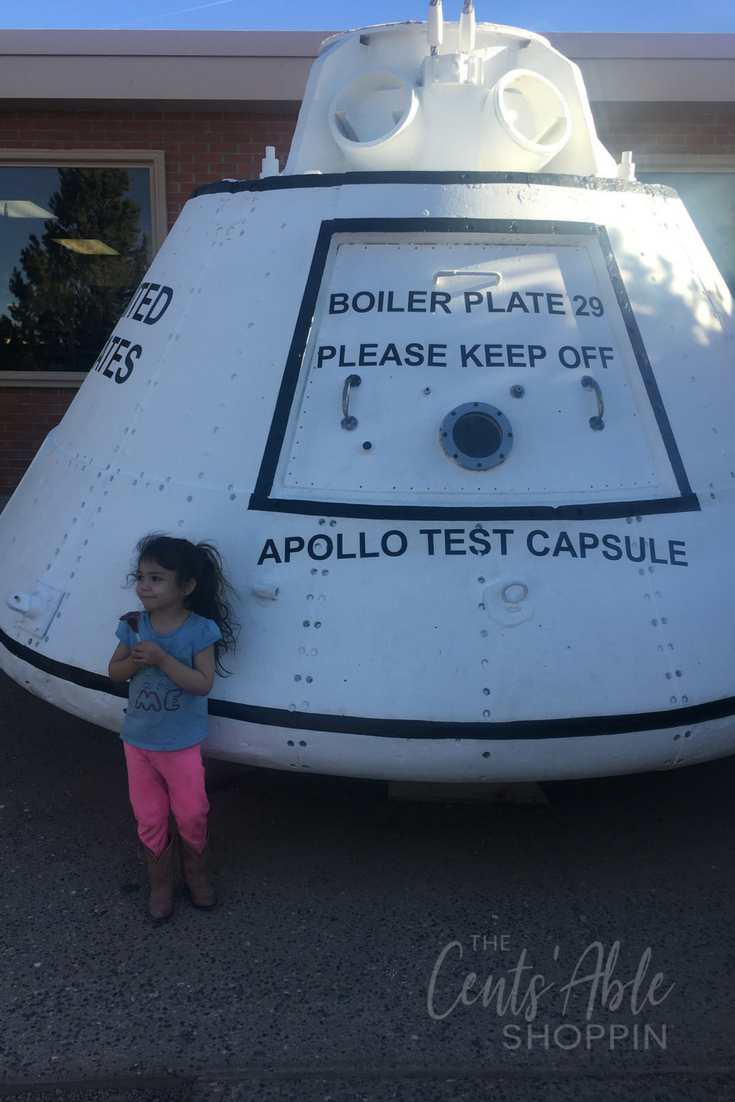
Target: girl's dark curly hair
[213,593]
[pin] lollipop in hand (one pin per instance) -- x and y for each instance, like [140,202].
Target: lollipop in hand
[131,619]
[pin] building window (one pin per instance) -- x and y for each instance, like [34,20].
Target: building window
[706,186]
[76,238]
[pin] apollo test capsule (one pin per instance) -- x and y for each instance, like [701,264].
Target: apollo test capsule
[454,395]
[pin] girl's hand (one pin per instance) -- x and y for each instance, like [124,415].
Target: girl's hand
[125,663]
[148,654]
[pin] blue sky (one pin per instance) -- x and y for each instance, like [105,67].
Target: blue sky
[326,15]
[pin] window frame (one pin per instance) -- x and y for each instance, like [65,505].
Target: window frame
[152,159]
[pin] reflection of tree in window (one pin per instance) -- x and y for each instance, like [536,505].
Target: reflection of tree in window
[73,284]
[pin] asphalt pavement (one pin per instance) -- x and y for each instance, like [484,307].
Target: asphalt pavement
[365,949]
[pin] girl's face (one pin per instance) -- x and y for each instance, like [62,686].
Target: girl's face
[158,588]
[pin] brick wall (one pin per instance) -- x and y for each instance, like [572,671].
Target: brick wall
[658,128]
[200,146]
[27,414]
[205,146]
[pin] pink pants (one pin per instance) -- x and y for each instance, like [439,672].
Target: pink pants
[161,781]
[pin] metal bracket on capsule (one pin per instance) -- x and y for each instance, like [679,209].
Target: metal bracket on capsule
[596,423]
[348,422]
[36,609]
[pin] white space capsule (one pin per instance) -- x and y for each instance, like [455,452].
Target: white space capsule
[454,395]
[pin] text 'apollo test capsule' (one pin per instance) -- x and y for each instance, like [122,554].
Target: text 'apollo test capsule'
[454,396]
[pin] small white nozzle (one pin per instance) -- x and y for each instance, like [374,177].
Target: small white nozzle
[267,590]
[435,25]
[269,164]
[29,604]
[467,27]
[626,168]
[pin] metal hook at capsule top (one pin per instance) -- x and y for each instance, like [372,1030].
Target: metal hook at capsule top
[348,422]
[596,423]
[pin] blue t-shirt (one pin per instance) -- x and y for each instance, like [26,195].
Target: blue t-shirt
[160,715]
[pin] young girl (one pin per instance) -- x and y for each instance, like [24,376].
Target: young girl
[169,653]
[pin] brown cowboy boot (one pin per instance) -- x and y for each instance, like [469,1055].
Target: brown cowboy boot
[195,875]
[161,875]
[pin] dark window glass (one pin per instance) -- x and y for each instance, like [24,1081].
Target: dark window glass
[74,244]
[710,199]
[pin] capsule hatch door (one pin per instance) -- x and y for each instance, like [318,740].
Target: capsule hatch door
[464,367]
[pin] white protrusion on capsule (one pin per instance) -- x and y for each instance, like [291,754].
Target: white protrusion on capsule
[435,25]
[467,27]
[29,604]
[267,590]
[626,168]
[269,164]
[37,609]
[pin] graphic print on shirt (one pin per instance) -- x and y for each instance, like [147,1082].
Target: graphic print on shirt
[163,696]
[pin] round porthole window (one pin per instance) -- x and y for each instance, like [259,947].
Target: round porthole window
[476,436]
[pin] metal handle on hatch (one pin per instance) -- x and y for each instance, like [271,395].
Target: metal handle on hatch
[348,422]
[596,423]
